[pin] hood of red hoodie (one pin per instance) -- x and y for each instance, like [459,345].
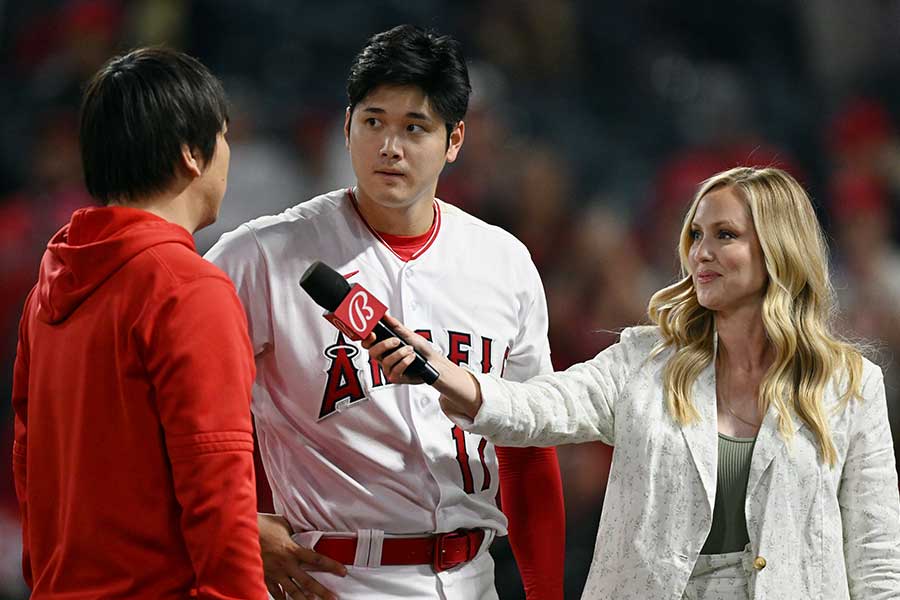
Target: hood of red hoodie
[94,244]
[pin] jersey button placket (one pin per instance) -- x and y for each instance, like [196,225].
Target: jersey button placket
[409,301]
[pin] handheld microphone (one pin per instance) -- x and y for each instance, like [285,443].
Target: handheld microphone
[356,312]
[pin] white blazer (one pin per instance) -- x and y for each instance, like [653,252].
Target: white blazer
[815,532]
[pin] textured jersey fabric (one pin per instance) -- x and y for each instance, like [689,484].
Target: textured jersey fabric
[133,448]
[815,531]
[728,532]
[530,487]
[346,451]
[536,531]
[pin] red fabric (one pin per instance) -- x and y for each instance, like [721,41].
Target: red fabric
[407,245]
[453,548]
[531,490]
[264,501]
[133,453]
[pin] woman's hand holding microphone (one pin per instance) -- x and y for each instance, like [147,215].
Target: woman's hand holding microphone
[460,391]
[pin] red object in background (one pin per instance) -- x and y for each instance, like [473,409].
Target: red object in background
[863,123]
[681,176]
[93,16]
[46,33]
[855,193]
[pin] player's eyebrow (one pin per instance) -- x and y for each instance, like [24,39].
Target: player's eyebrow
[410,115]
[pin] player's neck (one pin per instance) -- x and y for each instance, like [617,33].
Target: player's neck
[414,219]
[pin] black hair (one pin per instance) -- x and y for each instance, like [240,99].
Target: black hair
[138,111]
[409,55]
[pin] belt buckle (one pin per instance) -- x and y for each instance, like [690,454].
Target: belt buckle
[437,559]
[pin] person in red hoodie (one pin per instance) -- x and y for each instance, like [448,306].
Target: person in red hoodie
[133,446]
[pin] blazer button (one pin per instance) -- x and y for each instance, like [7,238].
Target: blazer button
[759,563]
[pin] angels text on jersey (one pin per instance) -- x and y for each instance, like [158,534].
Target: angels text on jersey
[344,387]
[343,382]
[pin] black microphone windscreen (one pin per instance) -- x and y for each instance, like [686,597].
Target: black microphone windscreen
[325,285]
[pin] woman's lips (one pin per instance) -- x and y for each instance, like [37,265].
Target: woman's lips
[707,276]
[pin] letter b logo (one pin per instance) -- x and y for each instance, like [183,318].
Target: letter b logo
[358,313]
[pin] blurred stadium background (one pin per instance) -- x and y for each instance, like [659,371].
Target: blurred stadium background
[590,126]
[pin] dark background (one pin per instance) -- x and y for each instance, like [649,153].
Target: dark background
[590,126]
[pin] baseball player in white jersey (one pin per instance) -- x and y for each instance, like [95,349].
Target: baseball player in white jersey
[377,493]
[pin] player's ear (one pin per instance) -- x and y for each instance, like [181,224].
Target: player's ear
[191,161]
[347,116]
[457,135]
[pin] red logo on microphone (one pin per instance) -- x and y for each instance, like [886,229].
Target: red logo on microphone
[357,314]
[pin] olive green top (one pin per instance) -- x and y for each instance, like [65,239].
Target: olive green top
[729,527]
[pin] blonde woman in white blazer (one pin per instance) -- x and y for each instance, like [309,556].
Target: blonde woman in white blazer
[741,353]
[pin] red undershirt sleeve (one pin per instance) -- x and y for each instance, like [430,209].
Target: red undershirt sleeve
[532,498]
[199,358]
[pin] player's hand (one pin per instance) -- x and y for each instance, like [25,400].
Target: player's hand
[285,563]
[460,391]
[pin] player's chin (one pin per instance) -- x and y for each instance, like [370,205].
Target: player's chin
[394,195]
[393,188]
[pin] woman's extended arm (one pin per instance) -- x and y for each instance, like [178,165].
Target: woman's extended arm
[572,406]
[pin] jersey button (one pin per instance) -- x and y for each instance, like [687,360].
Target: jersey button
[759,563]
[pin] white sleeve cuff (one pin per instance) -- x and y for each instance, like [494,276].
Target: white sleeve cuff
[494,413]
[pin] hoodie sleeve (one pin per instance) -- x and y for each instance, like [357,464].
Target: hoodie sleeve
[199,359]
[20,441]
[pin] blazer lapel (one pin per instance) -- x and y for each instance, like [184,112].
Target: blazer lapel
[701,437]
[768,444]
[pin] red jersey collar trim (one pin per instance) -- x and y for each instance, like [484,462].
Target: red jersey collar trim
[435,228]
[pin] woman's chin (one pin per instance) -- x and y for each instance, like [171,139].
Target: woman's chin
[708,303]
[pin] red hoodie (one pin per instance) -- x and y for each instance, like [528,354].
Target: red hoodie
[133,449]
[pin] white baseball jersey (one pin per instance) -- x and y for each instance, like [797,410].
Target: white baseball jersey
[343,449]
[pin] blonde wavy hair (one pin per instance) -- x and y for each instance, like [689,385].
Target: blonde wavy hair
[798,306]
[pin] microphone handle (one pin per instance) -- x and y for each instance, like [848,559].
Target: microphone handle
[419,366]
